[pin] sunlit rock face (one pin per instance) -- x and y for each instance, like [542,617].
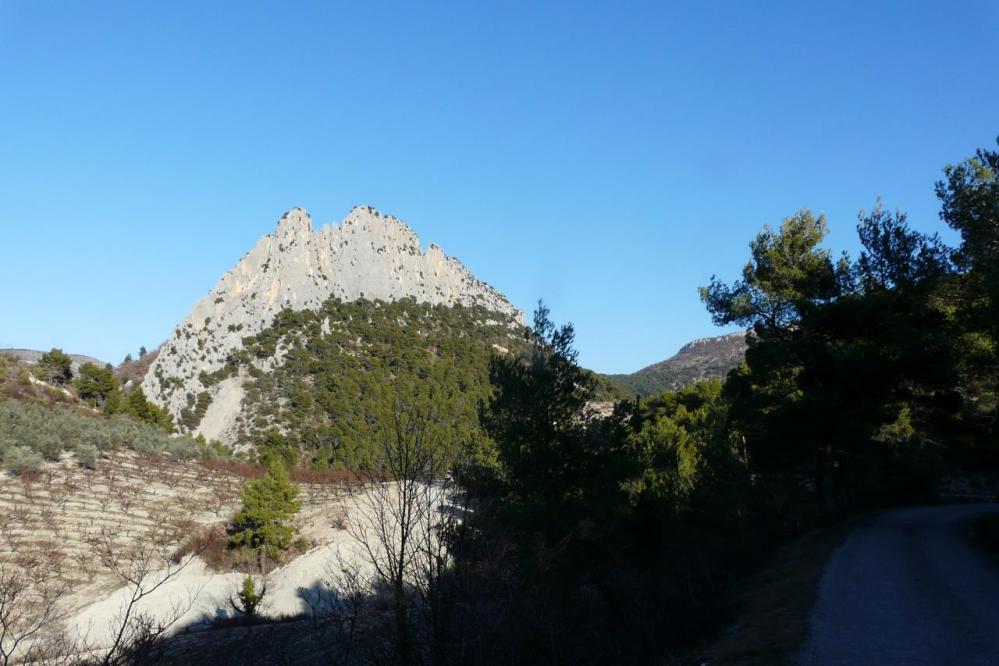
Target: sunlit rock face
[369,255]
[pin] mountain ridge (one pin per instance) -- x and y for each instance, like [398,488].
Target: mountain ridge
[699,359]
[369,256]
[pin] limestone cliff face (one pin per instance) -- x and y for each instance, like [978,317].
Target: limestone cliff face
[369,255]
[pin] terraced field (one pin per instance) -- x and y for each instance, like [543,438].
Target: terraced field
[71,537]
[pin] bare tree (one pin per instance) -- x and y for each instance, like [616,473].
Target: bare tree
[30,590]
[401,521]
[338,609]
[142,563]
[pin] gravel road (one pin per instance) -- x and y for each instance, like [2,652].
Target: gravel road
[908,587]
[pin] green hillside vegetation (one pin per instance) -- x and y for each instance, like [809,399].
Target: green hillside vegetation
[101,388]
[55,367]
[335,389]
[264,522]
[705,359]
[94,389]
[16,382]
[31,433]
[40,422]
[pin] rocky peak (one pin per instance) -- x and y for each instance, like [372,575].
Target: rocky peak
[369,255]
[294,224]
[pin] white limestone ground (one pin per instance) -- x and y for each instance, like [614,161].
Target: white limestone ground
[369,256]
[51,521]
[221,415]
[205,596]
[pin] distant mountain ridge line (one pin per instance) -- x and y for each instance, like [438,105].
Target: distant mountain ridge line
[699,359]
[32,356]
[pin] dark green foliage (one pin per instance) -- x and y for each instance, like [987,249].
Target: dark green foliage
[894,256]
[196,408]
[874,376]
[970,205]
[273,447]
[95,384]
[969,198]
[345,364]
[621,530]
[138,407]
[788,275]
[685,459]
[100,388]
[56,367]
[606,388]
[839,353]
[264,522]
[537,416]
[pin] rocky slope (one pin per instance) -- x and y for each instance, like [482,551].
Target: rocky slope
[369,256]
[700,359]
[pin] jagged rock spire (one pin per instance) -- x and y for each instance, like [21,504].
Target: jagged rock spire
[369,255]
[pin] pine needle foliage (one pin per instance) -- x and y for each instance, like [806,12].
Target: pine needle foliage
[269,503]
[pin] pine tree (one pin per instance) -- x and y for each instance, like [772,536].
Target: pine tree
[268,506]
[96,384]
[57,366]
[248,600]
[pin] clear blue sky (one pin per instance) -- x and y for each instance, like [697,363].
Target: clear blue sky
[607,157]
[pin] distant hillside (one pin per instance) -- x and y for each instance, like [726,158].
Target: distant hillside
[41,421]
[31,356]
[697,360]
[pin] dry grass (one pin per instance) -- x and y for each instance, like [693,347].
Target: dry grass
[774,606]
[211,544]
[135,371]
[298,475]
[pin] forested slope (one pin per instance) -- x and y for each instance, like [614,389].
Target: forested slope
[707,358]
[322,382]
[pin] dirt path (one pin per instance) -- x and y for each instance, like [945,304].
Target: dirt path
[908,587]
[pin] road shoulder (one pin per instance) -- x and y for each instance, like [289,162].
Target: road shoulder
[772,609]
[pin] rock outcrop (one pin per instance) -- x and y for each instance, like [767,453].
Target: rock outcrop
[370,256]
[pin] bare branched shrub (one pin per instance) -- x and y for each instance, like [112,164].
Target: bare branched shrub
[401,525]
[142,563]
[339,609]
[30,589]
